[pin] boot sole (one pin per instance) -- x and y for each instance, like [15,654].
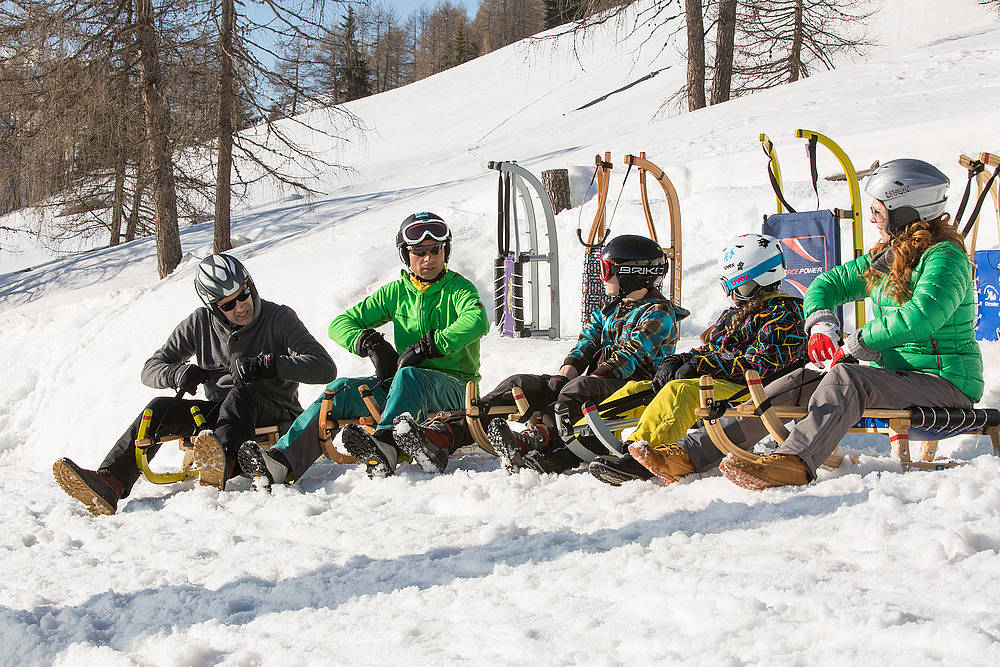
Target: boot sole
[253,466]
[506,448]
[361,447]
[210,461]
[667,475]
[75,487]
[743,478]
[414,445]
[611,475]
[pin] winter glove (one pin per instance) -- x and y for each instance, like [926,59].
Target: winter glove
[855,347]
[247,369]
[373,345]
[555,383]
[823,340]
[667,371]
[188,377]
[687,371]
[420,351]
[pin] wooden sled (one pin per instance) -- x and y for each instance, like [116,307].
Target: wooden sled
[925,424]
[266,436]
[475,411]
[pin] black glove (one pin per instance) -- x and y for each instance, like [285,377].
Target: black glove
[373,345]
[420,351]
[688,370]
[188,377]
[667,371]
[556,383]
[247,369]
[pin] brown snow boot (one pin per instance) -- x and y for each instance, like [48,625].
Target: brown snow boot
[211,461]
[98,490]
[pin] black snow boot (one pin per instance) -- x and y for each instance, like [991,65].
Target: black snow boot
[616,471]
[378,456]
[415,440]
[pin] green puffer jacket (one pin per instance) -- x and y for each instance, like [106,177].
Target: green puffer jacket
[451,307]
[933,332]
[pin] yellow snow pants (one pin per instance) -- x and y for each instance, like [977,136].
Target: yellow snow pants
[671,412]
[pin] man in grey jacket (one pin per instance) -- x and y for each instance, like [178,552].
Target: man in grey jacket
[248,353]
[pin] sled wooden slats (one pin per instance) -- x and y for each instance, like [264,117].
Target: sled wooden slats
[266,436]
[897,426]
[982,178]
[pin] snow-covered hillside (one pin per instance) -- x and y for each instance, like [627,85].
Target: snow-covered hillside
[867,565]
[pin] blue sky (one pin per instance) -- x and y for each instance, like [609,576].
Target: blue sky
[405,7]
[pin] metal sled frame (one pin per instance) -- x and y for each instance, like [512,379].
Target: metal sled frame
[853,213]
[896,424]
[266,436]
[516,179]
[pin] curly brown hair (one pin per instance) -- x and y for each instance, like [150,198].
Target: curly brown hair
[907,248]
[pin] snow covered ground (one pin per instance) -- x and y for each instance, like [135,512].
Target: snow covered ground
[866,566]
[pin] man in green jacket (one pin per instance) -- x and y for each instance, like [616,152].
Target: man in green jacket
[437,320]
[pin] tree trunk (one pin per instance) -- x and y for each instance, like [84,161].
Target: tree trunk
[795,56]
[168,239]
[118,205]
[696,55]
[223,178]
[725,38]
[556,185]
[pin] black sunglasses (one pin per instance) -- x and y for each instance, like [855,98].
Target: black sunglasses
[230,305]
[422,250]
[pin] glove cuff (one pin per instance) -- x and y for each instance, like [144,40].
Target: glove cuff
[827,322]
[856,347]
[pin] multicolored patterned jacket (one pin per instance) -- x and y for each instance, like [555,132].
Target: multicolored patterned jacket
[771,341]
[628,339]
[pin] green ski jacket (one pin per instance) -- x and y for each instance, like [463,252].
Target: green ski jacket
[451,307]
[933,332]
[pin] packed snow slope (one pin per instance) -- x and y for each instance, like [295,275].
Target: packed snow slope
[866,566]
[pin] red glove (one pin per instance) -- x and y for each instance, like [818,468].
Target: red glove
[822,344]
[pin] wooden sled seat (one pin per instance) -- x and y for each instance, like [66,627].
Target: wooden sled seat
[923,424]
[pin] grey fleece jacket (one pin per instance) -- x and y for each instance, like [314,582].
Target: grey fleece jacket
[214,343]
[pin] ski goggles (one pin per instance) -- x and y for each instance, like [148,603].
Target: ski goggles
[421,250]
[729,285]
[608,269]
[418,230]
[231,305]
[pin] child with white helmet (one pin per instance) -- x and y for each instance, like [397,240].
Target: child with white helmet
[763,330]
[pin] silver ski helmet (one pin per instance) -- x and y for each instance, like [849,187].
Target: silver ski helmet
[749,263]
[418,227]
[222,275]
[910,189]
[638,261]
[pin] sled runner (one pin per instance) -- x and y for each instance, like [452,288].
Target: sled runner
[476,410]
[811,239]
[266,436]
[509,266]
[593,296]
[925,424]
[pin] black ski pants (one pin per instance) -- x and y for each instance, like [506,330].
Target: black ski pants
[234,420]
[575,393]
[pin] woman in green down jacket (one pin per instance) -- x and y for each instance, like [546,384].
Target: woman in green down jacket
[920,342]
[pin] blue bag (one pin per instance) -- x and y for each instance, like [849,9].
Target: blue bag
[810,242]
[988,294]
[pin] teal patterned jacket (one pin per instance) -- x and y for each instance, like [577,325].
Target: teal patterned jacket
[628,339]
